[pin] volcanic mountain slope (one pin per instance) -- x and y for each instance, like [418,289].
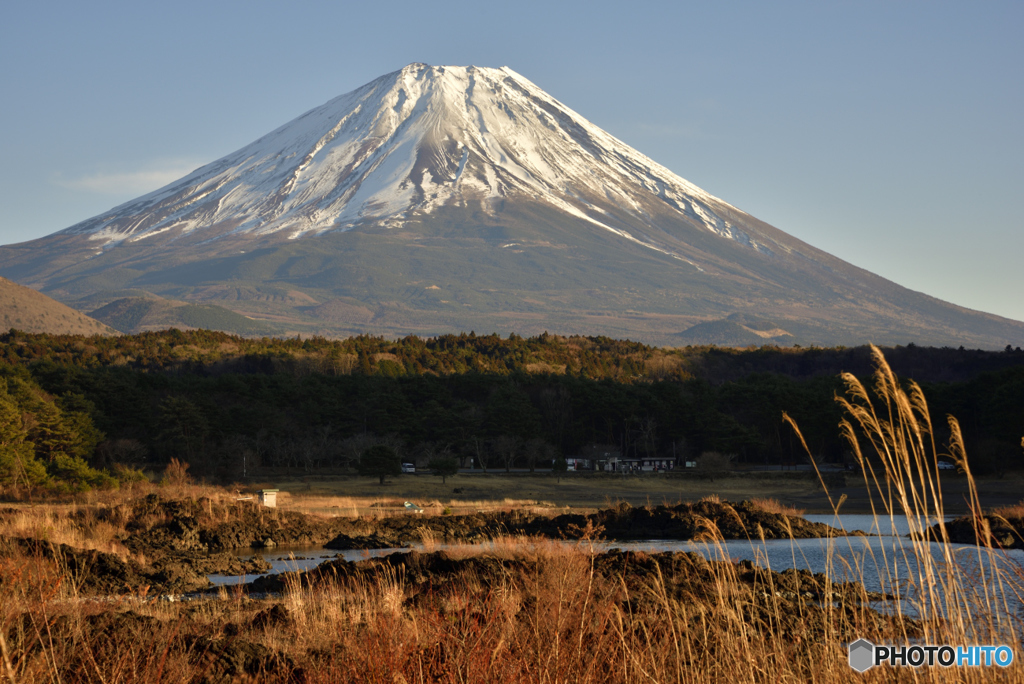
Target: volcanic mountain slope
[25,309]
[140,314]
[439,199]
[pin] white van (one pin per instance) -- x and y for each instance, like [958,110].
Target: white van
[408,467]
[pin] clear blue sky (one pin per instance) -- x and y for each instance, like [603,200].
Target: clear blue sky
[887,133]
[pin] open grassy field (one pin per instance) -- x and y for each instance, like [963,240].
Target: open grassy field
[587,492]
[539,491]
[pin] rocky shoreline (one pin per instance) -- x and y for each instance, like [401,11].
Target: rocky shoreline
[1005,533]
[685,576]
[247,638]
[183,541]
[541,582]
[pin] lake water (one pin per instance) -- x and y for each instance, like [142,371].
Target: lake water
[885,562]
[295,558]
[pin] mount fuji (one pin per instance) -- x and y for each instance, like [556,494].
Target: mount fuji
[440,199]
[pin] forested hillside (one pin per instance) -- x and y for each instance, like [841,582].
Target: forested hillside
[231,406]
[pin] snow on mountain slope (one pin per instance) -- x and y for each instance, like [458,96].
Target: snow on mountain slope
[412,141]
[436,199]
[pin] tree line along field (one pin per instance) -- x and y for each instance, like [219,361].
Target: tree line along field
[90,591]
[79,412]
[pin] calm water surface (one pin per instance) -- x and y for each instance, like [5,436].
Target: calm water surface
[294,558]
[883,563]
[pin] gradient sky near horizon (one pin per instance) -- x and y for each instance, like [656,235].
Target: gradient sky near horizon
[886,133]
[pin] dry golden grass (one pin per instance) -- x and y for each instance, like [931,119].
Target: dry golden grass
[74,525]
[384,507]
[580,491]
[775,506]
[554,618]
[557,620]
[1015,511]
[562,621]
[891,434]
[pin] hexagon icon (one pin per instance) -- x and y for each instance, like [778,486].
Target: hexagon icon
[862,655]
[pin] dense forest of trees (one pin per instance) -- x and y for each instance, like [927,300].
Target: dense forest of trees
[77,410]
[48,441]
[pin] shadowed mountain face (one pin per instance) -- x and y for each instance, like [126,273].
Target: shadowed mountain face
[440,199]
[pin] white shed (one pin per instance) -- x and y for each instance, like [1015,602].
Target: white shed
[268,497]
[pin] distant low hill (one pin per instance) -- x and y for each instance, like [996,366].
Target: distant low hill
[738,330]
[141,314]
[25,309]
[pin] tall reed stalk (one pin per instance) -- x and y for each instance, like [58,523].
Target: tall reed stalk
[962,595]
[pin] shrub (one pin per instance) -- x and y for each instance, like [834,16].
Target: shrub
[176,474]
[714,463]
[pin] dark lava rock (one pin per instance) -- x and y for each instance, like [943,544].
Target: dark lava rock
[796,597]
[92,572]
[173,577]
[187,540]
[274,616]
[97,573]
[231,658]
[706,520]
[1006,533]
[126,627]
[188,527]
[30,632]
[344,542]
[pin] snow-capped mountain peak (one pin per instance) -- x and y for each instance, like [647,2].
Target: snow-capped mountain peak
[439,199]
[414,140]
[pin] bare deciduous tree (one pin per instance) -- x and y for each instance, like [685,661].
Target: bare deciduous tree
[507,448]
[535,451]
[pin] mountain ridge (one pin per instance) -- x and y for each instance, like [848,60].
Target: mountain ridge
[523,212]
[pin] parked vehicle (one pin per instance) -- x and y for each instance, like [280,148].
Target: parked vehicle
[408,467]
